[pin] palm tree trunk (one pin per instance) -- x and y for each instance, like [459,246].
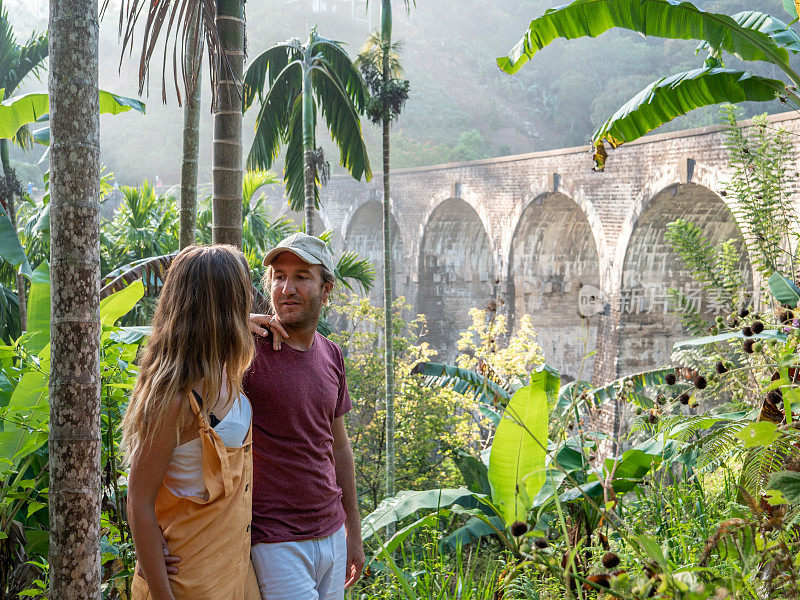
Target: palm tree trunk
[75,443]
[227,199]
[308,207]
[191,148]
[388,333]
[12,215]
[308,150]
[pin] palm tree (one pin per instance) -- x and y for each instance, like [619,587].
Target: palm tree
[191,145]
[75,443]
[17,62]
[292,81]
[748,35]
[219,27]
[380,64]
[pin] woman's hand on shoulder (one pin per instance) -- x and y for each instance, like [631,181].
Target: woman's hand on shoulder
[261,325]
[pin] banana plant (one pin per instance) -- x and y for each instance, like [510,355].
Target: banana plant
[292,81]
[748,35]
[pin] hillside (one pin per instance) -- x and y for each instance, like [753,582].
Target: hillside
[462,107]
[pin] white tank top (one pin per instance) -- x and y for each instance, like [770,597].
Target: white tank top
[184,476]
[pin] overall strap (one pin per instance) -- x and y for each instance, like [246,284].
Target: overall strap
[212,417]
[217,474]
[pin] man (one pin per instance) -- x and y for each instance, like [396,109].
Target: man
[306,529]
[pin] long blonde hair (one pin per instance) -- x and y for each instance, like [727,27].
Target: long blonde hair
[200,328]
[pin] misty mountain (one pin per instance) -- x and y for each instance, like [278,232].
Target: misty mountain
[462,106]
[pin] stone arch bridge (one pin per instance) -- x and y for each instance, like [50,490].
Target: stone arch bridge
[583,253]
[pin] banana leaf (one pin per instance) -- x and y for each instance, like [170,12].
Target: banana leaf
[11,249]
[654,18]
[29,108]
[784,290]
[517,460]
[477,527]
[780,32]
[678,94]
[39,308]
[405,503]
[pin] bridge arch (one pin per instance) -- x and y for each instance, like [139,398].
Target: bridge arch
[648,266]
[553,261]
[363,232]
[456,272]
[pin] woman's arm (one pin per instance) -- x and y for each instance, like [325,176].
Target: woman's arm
[261,324]
[148,468]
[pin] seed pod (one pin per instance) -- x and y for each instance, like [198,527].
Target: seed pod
[671,379]
[601,579]
[758,347]
[540,543]
[700,382]
[747,331]
[519,528]
[720,319]
[757,327]
[661,399]
[744,312]
[653,417]
[721,368]
[775,397]
[747,345]
[610,560]
[638,410]
[684,398]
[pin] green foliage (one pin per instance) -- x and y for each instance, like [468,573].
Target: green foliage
[517,461]
[286,79]
[430,422]
[762,172]
[24,420]
[749,36]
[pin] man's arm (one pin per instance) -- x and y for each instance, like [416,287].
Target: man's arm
[346,480]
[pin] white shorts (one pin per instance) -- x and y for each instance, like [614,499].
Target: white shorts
[305,570]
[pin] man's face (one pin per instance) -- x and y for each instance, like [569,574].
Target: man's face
[297,290]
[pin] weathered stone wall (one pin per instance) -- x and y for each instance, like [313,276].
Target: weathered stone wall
[528,232]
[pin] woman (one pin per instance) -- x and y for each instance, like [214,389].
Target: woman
[187,434]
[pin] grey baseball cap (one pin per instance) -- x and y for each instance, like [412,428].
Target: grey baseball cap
[311,249]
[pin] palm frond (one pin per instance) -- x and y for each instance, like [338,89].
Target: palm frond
[343,121]
[254,180]
[275,116]
[266,69]
[294,165]
[352,267]
[492,395]
[151,271]
[189,24]
[372,52]
[762,461]
[342,68]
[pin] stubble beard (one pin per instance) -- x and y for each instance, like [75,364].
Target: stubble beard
[308,318]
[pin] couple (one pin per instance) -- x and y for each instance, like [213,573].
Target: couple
[280,522]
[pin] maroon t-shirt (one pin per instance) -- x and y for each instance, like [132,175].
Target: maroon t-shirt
[295,397]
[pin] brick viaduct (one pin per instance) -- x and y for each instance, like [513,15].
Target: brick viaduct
[526,233]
